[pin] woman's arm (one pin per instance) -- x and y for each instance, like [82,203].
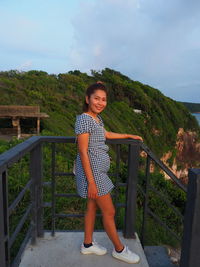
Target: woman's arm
[111,135]
[83,151]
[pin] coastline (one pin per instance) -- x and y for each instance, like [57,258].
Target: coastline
[197,116]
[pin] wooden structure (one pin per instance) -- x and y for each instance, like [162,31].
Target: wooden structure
[15,113]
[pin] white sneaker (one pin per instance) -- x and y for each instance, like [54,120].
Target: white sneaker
[126,255]
[94,249]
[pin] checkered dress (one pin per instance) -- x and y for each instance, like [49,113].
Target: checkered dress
[97,151]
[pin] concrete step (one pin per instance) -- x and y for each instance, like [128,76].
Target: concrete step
[63,250]
[157,256]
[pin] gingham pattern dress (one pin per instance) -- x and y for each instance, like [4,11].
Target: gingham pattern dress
[97,151]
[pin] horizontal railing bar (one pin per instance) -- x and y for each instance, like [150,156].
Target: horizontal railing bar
[120,205]
[67,195]
[47,204]
[14,154]
[71,174]
[123,141]
[61,215]
[19,198]
[46,183]
[178,213]
[112,174]
[163,224]
[58,139]
[71,139]
[73,230]
[121,184]
[19,226]
[17,259]
[64,174]
[164,167]
[17,152]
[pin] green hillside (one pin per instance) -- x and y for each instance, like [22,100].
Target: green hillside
[61,97]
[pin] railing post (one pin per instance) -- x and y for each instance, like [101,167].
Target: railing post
[53,162]
[4,222]
[190,255]
[146,200]
[117,169]
[36,192]
[131,191]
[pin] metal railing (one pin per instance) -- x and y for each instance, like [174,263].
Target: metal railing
[35,209]
[149,188]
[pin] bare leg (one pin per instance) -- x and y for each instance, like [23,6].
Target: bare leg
[108,211]
[89,220]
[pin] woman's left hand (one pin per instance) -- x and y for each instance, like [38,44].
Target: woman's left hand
[137,137]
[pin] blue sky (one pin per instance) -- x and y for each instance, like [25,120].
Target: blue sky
[156,42]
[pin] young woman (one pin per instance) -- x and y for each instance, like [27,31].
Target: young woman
[92,165]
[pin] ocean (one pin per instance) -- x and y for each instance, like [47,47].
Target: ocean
[197,115]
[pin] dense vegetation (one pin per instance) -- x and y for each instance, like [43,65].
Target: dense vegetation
[193,107]
[61,97]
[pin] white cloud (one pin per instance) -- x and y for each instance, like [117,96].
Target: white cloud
[155,42]
[151,41]
[25,66]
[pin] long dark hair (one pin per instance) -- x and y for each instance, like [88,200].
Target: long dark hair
[91,90]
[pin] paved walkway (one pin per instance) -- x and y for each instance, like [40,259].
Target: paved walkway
[63,250]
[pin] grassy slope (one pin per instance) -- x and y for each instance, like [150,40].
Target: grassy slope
[61,97]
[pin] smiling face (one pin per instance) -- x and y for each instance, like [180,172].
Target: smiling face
[97,102]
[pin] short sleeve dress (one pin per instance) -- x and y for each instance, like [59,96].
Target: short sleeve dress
[98,156]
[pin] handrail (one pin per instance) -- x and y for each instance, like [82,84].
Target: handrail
[17,152]
[14,154]
[164,167]
[146,210]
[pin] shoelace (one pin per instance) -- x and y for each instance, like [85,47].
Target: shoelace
[95,243]
[127,250]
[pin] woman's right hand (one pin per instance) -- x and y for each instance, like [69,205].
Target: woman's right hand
[92,190]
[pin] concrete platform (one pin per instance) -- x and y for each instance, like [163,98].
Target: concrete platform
[63,250]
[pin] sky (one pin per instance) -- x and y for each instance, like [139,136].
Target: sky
[156,42]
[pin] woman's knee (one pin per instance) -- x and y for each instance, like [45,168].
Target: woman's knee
[106,205]
[109,212]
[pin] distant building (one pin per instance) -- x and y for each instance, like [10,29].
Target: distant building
[137,111]
[11,116]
